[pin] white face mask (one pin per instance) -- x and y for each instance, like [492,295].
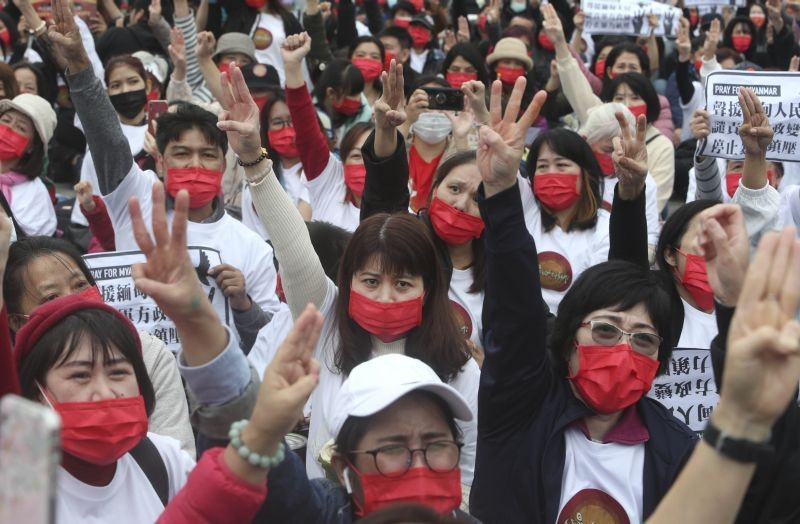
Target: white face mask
[518,7]
[432,128]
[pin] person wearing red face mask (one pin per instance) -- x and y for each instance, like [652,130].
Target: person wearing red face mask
[191,150]
[425,58]
[26,125]
[509,60]
[577,399]
[367,54]
[334,184]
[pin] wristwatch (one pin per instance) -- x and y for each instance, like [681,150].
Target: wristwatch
[740,450]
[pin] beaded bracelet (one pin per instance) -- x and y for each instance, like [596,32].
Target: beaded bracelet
[261,157]
[255,459]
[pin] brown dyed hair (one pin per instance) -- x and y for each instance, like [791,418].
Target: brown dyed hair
[401,244]
[478,259]
[129,61]
[8,80]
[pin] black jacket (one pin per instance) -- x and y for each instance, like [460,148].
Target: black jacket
[523,407]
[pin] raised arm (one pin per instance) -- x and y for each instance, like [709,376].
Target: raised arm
[384,152]
[684,44]
[515,373]
[111,153]
[311,142]
[302,275]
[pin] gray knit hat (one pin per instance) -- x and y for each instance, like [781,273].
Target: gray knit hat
[236,43]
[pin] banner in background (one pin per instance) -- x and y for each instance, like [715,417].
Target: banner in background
[629,17]
[84,9]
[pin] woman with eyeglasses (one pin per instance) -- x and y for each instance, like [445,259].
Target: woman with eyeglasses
[565,431]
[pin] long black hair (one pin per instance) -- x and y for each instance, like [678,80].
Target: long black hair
[640,85]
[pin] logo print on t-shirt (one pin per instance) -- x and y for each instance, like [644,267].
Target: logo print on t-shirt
[592,506]
[554,271]
[262,38]
[463,319]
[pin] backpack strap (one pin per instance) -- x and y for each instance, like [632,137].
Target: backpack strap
[647,142]
[149,459]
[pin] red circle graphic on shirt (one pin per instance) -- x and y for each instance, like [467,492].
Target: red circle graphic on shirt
[554,271]
[262,39]
[463,319]
[593,506]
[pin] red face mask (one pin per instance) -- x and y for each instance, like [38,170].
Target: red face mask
[556,191]
[453,226]
[418,4]
[225,68]
[509,75]
[283,141]
[5,37]
[388,56]
[101,432]
[153,95]
[758,20]
[256,4]
[698,64]
[457,79]
[91,293]
[401,21]
[348,106]
[639,109]
[388,321]
[732,182]
[600,68]
[482,23]
[419,35]
[370,68]
[355,176]
[606,163]
[203,184]
[694,18]
[741,42]
[439,491]
[545,42]
[12,144]
[611,378]
[695,280]
[260,101]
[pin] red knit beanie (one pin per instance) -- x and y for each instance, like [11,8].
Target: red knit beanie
[51,313]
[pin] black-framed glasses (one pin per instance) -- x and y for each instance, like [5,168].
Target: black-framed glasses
[395,459]
[606,334]
[278,124]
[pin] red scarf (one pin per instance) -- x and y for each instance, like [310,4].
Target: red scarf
[421,174]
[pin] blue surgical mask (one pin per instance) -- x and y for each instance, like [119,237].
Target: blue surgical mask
[391,3]
[518,7]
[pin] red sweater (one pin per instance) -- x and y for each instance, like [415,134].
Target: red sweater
[213,494]
[100,226]
[9,382]
[311,142]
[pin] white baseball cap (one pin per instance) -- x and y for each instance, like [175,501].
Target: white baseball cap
[377,383]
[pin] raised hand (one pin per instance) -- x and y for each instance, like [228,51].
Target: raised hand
[417,104]
[794,64]
[724,243]
[501,143]
[155,12]
[295,48]
[579,20]
[475,95]
[463,30]
[462,124]
[684,43]
[240,118]
[233,285]
[66,37]
[551,24]
[700,124]
[554,82]
[774,15]
[755,131]
[630,157]
[206,44]
[390,107]
[83,193]
[177,53]
[712,40]
[669,19]
[762,364]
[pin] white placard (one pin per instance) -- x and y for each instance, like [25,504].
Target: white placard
[688,389]
[706,3]
[629,17]
[112,274]
[779,94]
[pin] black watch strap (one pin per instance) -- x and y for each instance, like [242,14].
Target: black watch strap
[739,450]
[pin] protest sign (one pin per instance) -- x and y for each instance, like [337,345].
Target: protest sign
[779,94]
[112,274]
[629,17]
[84,9]
[704,3]
[688,389]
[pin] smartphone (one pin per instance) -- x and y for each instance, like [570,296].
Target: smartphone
[155,108]
[445,98]
[29,457]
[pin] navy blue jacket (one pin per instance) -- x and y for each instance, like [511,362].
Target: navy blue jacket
[523,408]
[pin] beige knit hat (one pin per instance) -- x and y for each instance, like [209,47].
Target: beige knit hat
[236,43]
[510,48]
[38,110]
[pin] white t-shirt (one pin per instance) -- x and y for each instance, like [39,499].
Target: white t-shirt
[699,328]
[323,397]
[417,60]
[562,256]
[135,136]
[789,211]
[268,35]
[293,182]
[697,101]
[651,204]
[237,245]
[33,208]
[469,306]
[129,498]
[601,482]
[328,192]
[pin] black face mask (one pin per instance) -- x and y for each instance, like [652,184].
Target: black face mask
[129,104]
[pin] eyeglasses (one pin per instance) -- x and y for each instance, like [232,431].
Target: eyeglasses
[277,123]
[606,334]
[394,460]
